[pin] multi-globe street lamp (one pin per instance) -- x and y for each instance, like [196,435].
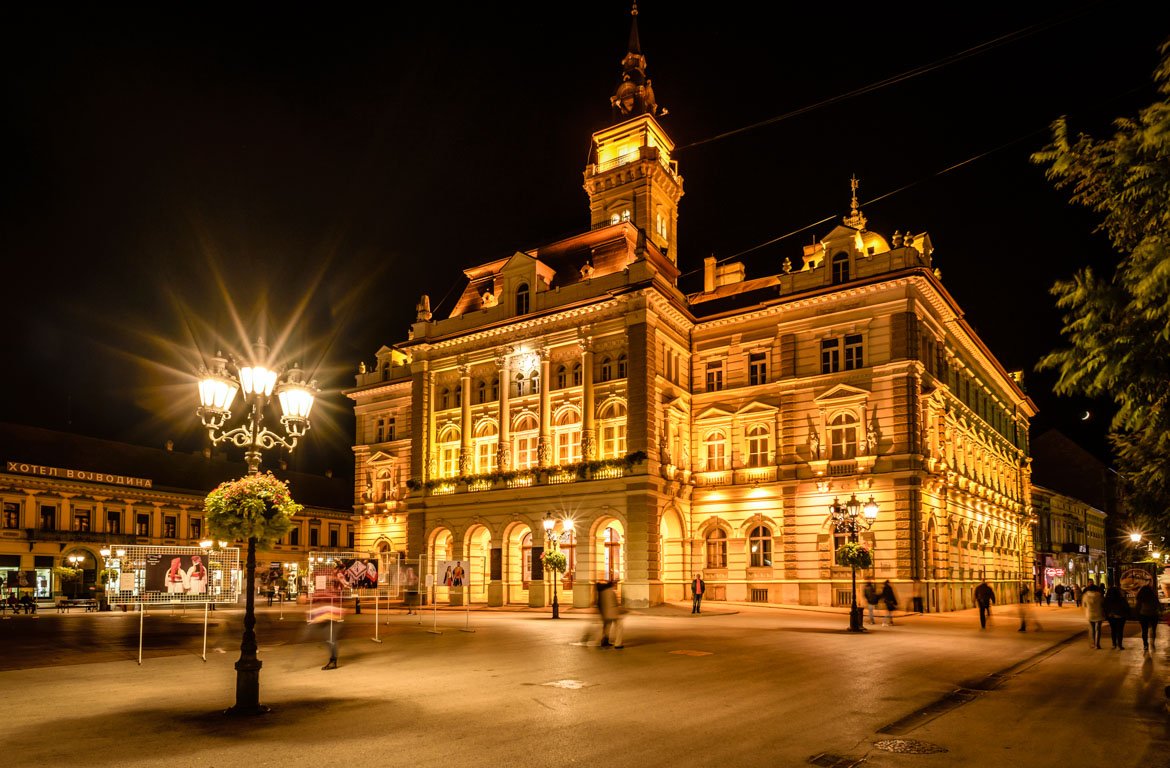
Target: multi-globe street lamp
[553,541]
[75,562]
[852,518]
[217,391]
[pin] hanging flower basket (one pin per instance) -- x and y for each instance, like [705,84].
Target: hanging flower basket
[554,560]
[853,555]
[254,507]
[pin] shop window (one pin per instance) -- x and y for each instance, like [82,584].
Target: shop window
[760,547]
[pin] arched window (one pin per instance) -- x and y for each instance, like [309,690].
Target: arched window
[459,396]
[481,392]
[449,452]
[522,299]
[520,382]
[526,436]
[716,445]
[526,558]
[576,374]
[843,436]
[568,548]
[840,267]
[486,447]
[613,431]
[621,366]
[562,377]
[606,369]
[567,434]
[445,400]
[534,382]
[931,548]
[760,547]
[613,555]
[716,548]
[759,444]
[495,389]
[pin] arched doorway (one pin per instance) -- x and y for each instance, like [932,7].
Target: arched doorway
[673,562]
[477,546]
[517,563]
[442,548]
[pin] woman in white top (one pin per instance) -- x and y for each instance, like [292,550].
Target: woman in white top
[1093,602]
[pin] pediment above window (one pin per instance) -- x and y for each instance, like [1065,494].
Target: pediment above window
[842,394]
[379,457]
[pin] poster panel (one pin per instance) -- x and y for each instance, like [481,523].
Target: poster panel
[21,579]
[452,573]
[176,573]
[356,573]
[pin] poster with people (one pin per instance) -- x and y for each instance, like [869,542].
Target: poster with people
[453,573]
[357,573]
[21,579]
[176,573]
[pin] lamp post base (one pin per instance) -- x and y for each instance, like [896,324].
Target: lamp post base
[556,608]
[855,619]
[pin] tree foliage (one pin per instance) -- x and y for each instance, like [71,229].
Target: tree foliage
[1118,325]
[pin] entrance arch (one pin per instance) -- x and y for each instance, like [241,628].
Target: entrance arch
[673,562]
[477,547]
[441,547]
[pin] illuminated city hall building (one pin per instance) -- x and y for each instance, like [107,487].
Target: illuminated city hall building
[707,432]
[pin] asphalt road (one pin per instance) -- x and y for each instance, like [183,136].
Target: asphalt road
[737,686]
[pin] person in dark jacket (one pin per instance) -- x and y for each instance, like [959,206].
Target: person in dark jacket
[698,589]
[1116,612]
[890,600]
[984,597]
[1148,610]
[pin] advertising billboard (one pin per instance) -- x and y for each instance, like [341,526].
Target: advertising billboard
[176,573]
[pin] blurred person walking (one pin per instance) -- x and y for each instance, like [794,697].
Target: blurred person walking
[984,597]
[1093,600]
[1149,611]
[871,597]
[890,600]
[1116,612]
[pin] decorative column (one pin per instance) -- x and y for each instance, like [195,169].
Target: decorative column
[504,448]
[430,416]
[588,431]
[543,444]
[465,420]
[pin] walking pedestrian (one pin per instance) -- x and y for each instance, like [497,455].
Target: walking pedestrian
[890,600]
[1039,595]
[1047,595]
[698,589]
[611,615]
[1024,594]
[1148,611]
[1077,594]
[871,598]
[984,597]
[1116,612]
[1092,600]
[1059,595]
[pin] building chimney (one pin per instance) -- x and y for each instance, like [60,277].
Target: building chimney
[708,274]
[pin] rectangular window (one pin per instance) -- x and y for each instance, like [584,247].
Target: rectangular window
[142,528]
[613,440]
[114,521]
[170,527]
[81,519]
[569,446]
[313,535]
[48,518]
[757,368]
[350,536]
[390,425]
[853,352]
[830,355]
[526,452]
[196,529]
[334,537]
[294,537]
[485,456]
[449,461]
[379,430]
[714,376]
[11,514]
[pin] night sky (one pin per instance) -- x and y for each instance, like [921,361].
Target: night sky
[182,179]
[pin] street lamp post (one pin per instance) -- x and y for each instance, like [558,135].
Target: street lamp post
[553,542]
[852,517]
[217,391]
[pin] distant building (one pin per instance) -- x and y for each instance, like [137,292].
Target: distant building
[707,432]
[67,495]
[1071,493]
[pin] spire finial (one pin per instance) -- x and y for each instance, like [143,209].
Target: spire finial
[854,219]
[634,95]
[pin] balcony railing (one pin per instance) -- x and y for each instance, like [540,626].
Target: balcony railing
[609,469]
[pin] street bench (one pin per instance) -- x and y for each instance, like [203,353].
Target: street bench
[63,606]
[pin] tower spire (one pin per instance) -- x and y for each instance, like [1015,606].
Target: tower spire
[634,95]
[855,218]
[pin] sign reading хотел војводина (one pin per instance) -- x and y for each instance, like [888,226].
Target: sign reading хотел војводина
[84,475]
